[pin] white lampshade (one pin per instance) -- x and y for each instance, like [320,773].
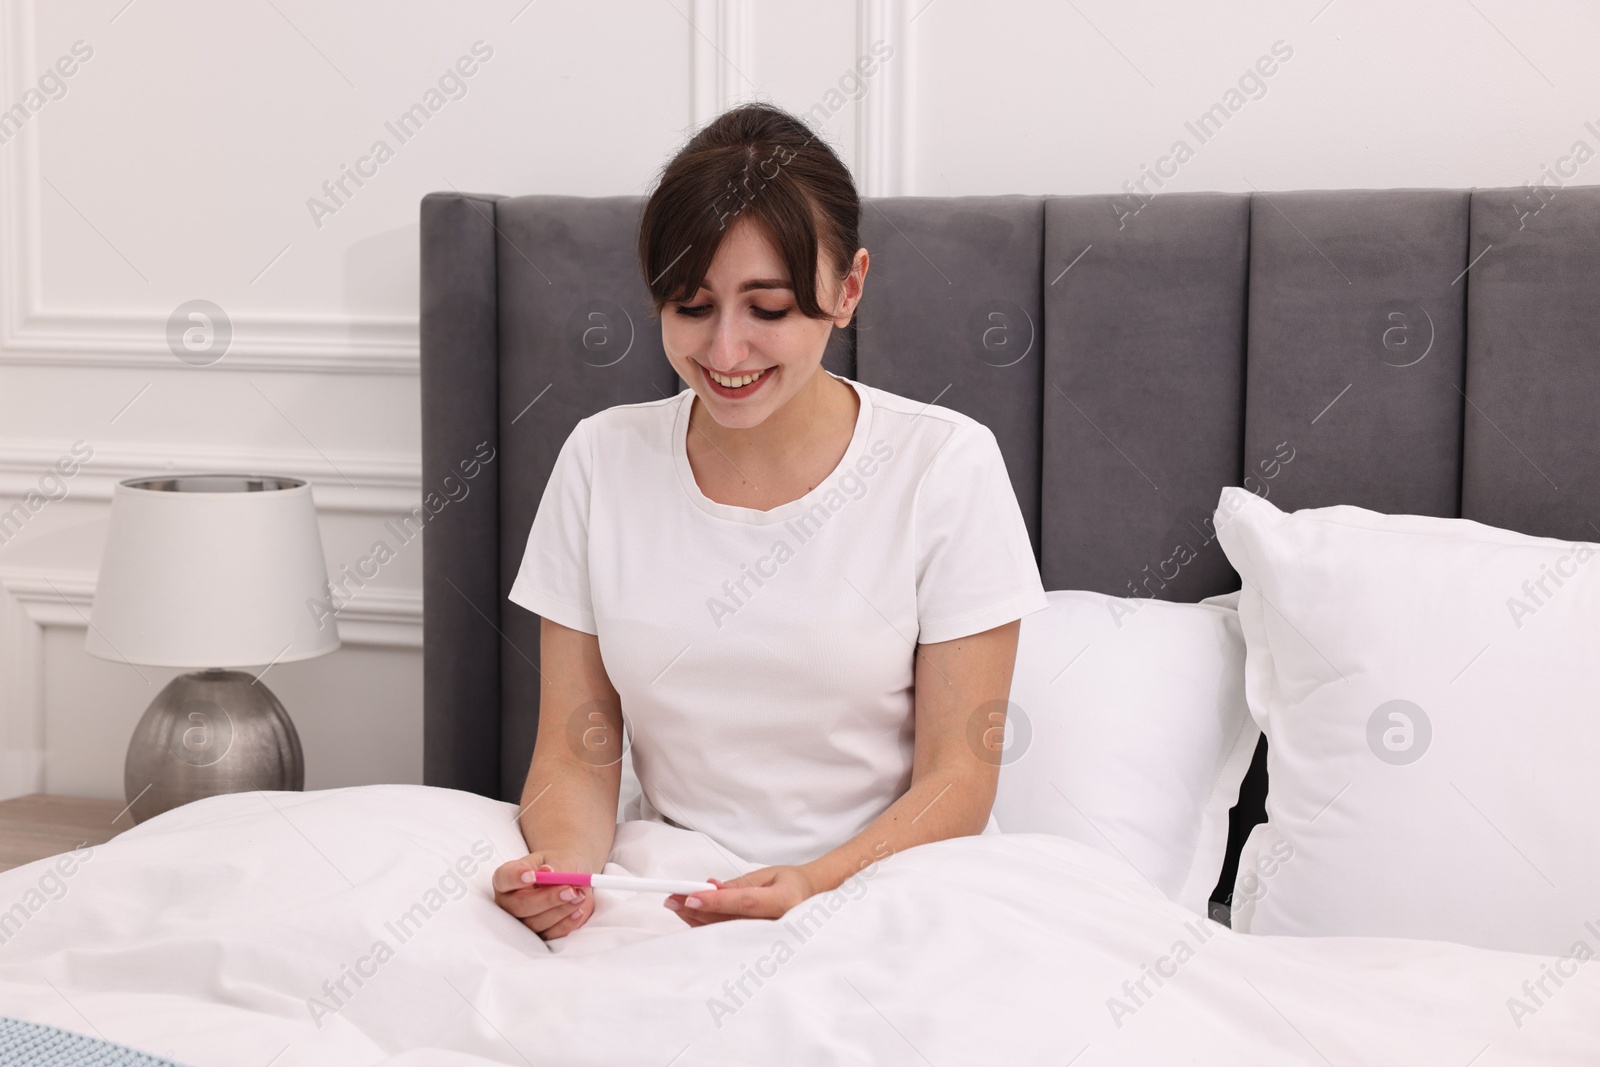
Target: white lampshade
[212,570]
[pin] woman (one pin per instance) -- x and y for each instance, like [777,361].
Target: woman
[801,594]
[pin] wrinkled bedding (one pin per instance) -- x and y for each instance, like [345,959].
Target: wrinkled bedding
[357,926]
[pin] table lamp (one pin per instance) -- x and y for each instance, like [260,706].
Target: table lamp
[211,571]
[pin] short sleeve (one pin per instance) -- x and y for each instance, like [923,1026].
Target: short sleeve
[553,580]
[975,565]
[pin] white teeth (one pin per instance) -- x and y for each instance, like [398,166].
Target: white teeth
[734,383]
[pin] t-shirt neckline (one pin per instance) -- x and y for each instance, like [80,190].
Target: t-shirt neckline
[755,516]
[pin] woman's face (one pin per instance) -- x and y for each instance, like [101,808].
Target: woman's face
[744,322]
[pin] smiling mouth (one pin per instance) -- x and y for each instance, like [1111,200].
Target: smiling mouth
[736,383]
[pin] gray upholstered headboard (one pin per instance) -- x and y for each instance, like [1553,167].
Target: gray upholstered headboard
[1132,358]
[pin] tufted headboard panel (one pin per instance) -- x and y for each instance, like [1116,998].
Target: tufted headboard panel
[1427,351]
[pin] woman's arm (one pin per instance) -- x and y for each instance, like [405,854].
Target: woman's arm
[961,695]
[569,801]
[961,691]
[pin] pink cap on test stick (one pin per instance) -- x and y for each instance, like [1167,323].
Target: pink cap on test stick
[560,878]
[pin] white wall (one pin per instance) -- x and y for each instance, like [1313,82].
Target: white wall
[179,162]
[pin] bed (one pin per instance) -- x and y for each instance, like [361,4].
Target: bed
[1425,353]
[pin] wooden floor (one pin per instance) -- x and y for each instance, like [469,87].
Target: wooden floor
[39,825]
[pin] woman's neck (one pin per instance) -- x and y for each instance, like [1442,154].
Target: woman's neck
[785,434]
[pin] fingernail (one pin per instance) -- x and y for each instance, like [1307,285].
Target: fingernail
[528,876]
[569,895]
[673,904]
[577,913]
[546,867]
[693,902]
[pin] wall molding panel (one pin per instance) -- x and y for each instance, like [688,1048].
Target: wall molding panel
[720,57]
[721,74]
[284,343]
[31,335]
[23,615]
[359,483]
[885,119]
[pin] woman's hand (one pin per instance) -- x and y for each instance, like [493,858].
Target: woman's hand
[548,910]
[763,894]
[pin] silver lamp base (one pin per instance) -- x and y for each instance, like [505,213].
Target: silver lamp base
[210,732]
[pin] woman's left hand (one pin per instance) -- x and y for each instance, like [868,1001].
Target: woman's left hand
[763,894]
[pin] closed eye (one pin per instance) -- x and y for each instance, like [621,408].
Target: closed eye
[696,311]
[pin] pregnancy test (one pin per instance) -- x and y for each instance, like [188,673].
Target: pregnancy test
[624,882]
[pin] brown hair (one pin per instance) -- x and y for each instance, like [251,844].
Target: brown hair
[753,160]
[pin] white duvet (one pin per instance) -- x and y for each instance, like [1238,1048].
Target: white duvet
[356,926]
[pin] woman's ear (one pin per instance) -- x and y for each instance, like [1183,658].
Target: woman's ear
[851,288]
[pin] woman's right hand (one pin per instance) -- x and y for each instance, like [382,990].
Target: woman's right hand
[548,910]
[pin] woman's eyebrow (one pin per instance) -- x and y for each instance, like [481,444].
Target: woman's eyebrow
[755,283]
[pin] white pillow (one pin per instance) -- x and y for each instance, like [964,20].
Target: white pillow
[1433,726]
[1128,732]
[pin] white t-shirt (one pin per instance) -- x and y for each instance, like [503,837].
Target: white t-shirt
[765,659]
